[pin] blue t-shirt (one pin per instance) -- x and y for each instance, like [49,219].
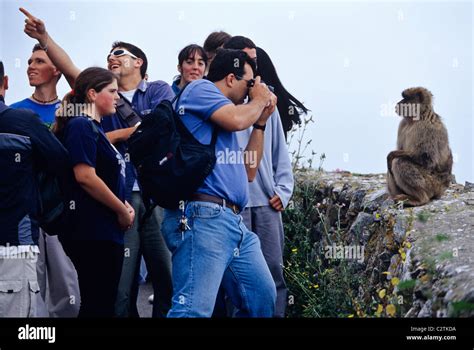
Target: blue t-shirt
[94,221]
[46,112]
[228,180]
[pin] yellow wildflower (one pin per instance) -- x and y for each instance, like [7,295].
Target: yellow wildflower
[391,309]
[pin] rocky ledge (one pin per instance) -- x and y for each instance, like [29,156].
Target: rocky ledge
[421,258]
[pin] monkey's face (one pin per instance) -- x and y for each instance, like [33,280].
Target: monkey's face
[415,103]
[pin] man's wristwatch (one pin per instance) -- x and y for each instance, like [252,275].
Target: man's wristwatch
[261,127]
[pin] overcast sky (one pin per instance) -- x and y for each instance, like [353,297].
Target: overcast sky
[348,61]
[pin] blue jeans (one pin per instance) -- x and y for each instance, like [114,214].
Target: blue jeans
[217,248]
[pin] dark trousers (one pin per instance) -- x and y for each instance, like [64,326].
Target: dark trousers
[98,265]
[268,225]
[148,242]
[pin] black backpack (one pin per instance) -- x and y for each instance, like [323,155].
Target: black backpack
[171,164]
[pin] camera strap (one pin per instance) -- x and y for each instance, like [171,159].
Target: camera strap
[126,112]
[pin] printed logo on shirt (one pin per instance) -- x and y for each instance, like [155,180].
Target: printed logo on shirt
[120,160]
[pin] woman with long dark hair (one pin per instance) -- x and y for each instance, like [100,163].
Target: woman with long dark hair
[96,190]
[272,188]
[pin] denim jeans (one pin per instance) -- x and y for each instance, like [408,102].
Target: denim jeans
[216,248]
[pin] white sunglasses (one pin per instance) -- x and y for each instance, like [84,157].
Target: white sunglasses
[121,52]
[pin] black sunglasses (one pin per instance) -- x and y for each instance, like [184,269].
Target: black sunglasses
[250,82]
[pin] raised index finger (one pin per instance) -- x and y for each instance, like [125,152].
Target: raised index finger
[26,13]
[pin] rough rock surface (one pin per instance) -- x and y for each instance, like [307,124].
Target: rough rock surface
[428,250]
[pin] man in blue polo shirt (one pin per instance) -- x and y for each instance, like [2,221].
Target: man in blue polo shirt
[208,238]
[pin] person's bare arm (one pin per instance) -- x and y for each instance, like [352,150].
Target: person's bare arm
[36,29]
[87,178]
[120,135]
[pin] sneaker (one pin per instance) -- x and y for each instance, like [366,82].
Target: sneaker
[150,299]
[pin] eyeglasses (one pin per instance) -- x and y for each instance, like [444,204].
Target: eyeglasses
[121,52]
[250,82]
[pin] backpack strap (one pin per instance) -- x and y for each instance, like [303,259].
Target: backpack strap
[215,132]
[176,98]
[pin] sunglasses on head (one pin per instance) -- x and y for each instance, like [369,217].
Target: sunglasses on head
[121,52]
[250,82]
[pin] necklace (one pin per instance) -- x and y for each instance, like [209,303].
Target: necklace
[43,102]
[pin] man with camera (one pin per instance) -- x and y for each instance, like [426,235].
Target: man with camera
[207,237]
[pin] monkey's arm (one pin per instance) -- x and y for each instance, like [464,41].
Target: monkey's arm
[392,155]
[404,155]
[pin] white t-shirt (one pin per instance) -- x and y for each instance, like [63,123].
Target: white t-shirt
[128,94]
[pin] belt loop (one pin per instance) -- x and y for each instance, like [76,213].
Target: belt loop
[223,203]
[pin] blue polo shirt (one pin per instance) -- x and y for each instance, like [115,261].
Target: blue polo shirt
[145,99]
[94,220]
[45,111]
[228,180]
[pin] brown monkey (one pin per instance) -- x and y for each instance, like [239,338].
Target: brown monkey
[420,168]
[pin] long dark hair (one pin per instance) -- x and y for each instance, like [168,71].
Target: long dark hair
[91,78]
[289,107]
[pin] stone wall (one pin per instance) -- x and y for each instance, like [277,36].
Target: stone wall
[422,256]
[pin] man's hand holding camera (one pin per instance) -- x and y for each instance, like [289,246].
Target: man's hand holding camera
[260,91]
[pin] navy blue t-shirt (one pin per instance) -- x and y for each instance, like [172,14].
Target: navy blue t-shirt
[94,221]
